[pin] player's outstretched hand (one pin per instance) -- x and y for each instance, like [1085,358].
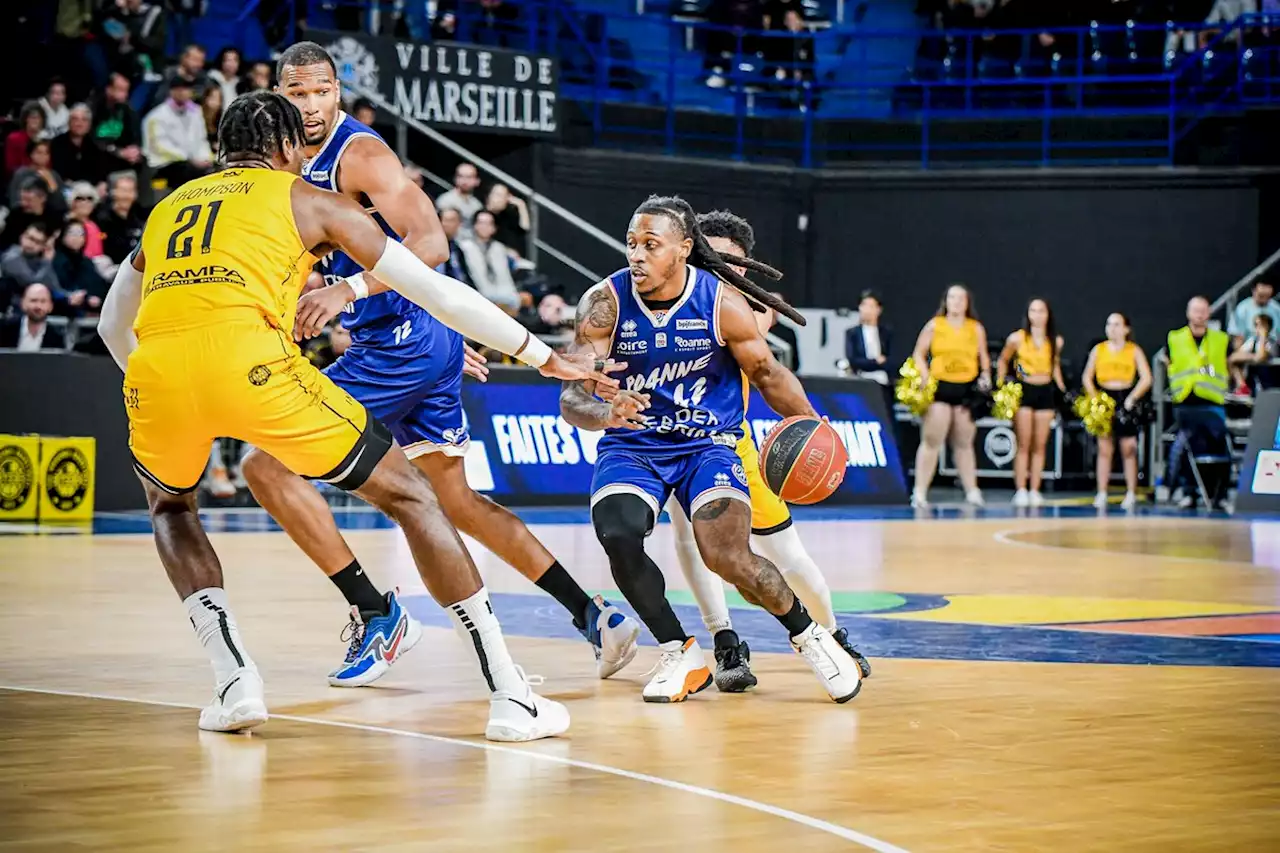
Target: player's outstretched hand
[473,364]
[572,367]
[625,410]
[317,307]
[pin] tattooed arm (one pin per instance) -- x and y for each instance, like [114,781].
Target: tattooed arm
[779,386]
[597,315]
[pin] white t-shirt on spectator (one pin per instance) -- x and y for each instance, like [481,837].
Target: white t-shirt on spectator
[28,342]
[55,120]
[871,341]
[490,269]
[1240,323]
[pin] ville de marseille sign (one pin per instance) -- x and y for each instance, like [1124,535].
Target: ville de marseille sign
[449,85]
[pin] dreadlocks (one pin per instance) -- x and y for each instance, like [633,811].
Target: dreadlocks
[721,266]
[256,126]
[722,223]
[304,53]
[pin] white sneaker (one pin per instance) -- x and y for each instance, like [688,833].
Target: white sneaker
[679,673]
[1130,501]
[220,485]
[237,703]
[1036,500]
[919,500]
[1187,501]
[1021,499]
[1100,500]
[974,497]
[613,634]
[837,671]
[516,719]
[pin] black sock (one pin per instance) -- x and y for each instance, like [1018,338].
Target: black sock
[796,620]
[556,582]
[726,639]
[354,585]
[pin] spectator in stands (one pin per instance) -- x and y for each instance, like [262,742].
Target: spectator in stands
[462,197]
[511,215]
[257,80]
[364,112]
[775,13]
[84,198]
[456,265]
[75,272]
[226,74]
[40,169]
[731,43]
[1223,14]
[30,261]
[211,110]
[542,313]
[791,59]
[121,218]
[134,34]
[54,104]
[174,137]
[34,208]
[31,332]
[1257,349]
[868,346]
[1240,323]
[489,265]
[444,26]
[75,154]
[116,128]
[190,69]
[17,145]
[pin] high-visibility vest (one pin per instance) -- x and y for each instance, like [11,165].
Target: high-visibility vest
[1198,369]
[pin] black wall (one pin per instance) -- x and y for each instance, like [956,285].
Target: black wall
[1091,241]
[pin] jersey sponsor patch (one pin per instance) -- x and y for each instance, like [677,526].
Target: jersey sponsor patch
[690,325]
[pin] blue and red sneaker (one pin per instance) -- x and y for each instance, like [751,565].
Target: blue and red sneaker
[375,642]
[612,635]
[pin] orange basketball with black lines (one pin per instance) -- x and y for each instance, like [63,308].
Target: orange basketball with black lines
[803,460]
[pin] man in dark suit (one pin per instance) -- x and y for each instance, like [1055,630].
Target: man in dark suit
[31,332]
[455,266]
[868,345]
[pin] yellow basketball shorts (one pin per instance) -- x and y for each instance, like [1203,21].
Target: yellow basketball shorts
[769,513]
[248,382]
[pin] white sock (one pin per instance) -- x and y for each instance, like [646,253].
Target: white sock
[706,585]
[474,620]
[785,550]
[216,629]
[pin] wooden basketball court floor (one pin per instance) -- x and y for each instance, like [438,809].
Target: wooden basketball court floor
[1047,682]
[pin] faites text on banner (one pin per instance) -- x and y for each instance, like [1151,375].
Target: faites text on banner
[447,85]
[523,453]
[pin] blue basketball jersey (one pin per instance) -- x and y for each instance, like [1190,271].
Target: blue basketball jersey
[384,320]
[677,358]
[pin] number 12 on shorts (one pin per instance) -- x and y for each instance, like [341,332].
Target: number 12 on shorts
[401,332]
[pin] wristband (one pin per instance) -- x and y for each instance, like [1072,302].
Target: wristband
[358,286]
[535,352]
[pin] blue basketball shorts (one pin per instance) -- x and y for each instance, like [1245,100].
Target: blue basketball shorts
[420,399]
[695,478]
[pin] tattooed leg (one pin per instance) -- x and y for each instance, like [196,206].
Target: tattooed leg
[722,529]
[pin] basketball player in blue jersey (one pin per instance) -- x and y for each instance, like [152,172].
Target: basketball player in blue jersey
[405,367]
[671,430]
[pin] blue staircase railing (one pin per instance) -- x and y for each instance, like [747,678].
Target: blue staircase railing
[847,91]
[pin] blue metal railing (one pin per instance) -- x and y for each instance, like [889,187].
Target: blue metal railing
[846,91]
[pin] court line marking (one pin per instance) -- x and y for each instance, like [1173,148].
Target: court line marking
[867,841]
[1006,537]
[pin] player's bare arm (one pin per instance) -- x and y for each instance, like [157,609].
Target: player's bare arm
[371,168]
[779,386]
[328,220]
[597,314]
[115,324]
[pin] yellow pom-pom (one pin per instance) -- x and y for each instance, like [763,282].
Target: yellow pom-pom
[911,392]
[1006,400]
[1097,411]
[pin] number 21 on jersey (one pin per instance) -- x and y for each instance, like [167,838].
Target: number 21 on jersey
[186,220]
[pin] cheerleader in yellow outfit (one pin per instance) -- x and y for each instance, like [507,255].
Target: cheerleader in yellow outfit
[952,348]
[1118,368]
[1036,352]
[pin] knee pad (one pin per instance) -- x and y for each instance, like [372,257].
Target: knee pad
[622,521]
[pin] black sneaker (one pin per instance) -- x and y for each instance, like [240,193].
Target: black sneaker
[842,637]
[733,668]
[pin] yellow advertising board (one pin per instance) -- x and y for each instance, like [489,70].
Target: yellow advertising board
[47,478]
[19,477]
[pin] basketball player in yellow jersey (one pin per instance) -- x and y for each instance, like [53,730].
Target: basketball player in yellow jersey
[1035,351]
[773,534]
[952,348]
[1118,368]
[210,295]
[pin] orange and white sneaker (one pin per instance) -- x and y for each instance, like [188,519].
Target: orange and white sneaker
[680,672]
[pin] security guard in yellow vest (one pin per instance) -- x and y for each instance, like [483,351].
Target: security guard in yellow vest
[1198,385]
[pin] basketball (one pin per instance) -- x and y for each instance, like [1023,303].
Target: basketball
[803,460]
